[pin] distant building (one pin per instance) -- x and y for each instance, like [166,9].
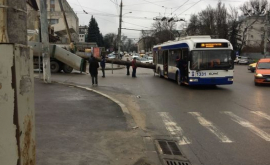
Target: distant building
[56,20]
[255,32]
[145,44]
[83,33]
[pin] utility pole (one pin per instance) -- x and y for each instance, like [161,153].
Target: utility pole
[45,42]
[119,30]
[65,20]
[17,115]
[266,34]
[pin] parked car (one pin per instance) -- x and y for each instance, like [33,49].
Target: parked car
[135,56]
[150,59]
[252,67]
[237,59]
[244,60]
[262,75]
[144,60]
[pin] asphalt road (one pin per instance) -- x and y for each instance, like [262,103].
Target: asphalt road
[222,125]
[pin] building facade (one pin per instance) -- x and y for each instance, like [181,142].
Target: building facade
[56,20]
[255,30]
[83,33]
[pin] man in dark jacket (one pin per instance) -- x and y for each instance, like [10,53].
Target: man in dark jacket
[134,67]
[93,70]
[103,64]
[128,66]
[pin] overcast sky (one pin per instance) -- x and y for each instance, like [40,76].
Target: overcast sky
[106,12]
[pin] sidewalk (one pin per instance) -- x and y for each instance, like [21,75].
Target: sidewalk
[79,127]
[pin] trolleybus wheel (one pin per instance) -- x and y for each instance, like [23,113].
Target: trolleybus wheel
[178,79]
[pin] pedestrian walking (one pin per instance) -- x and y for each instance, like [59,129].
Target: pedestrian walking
[93,70]
[128,66]
[134,67]
[103,64]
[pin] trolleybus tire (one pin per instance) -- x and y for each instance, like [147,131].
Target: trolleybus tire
[55,66]
[178,79]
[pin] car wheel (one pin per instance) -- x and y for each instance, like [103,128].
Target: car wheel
[256,84]
[55,67]
[67,69]
[252,71]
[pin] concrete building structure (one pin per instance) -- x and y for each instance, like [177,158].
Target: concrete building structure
[56,20]
[82,33]
[145,44]
[255,30]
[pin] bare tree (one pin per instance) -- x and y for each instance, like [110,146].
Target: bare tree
[253,9]
[207,19]
[194,25]
[221,14]
[234,28]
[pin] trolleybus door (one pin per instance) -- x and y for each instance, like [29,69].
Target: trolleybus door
[165,63]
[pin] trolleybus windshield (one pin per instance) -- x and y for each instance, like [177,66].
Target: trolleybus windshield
[211,60]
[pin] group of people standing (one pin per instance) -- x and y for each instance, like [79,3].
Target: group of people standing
[134,67]
[94,65]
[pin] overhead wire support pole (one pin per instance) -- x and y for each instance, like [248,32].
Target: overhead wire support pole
[45,42]
[119,30]
[266,33]
[65,20]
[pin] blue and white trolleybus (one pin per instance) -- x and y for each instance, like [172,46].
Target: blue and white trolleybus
[204,61]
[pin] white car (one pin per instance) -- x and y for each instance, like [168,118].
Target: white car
[150,59]
[237,59]
[144,60]
[243,60]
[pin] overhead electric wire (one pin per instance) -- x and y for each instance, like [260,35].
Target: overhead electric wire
[90,8]
[153,3]
[114,15]
[146,3]
[80,4]
[134,24]
[141,11]
[190,7]
[114,2]
[180,6]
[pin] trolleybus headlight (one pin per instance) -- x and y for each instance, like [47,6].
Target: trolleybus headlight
[230,79]
[193,80]
[259,75]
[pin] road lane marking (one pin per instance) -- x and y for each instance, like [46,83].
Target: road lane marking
[210,126]
[261,114]
[248,125]
[173,128]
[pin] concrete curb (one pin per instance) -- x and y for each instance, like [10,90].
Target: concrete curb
[130,121]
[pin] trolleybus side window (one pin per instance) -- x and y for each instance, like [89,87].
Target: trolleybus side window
[174,56]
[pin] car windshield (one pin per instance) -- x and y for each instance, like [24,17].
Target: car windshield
[211,60]
[150,58]
[264,65]
[143,59]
